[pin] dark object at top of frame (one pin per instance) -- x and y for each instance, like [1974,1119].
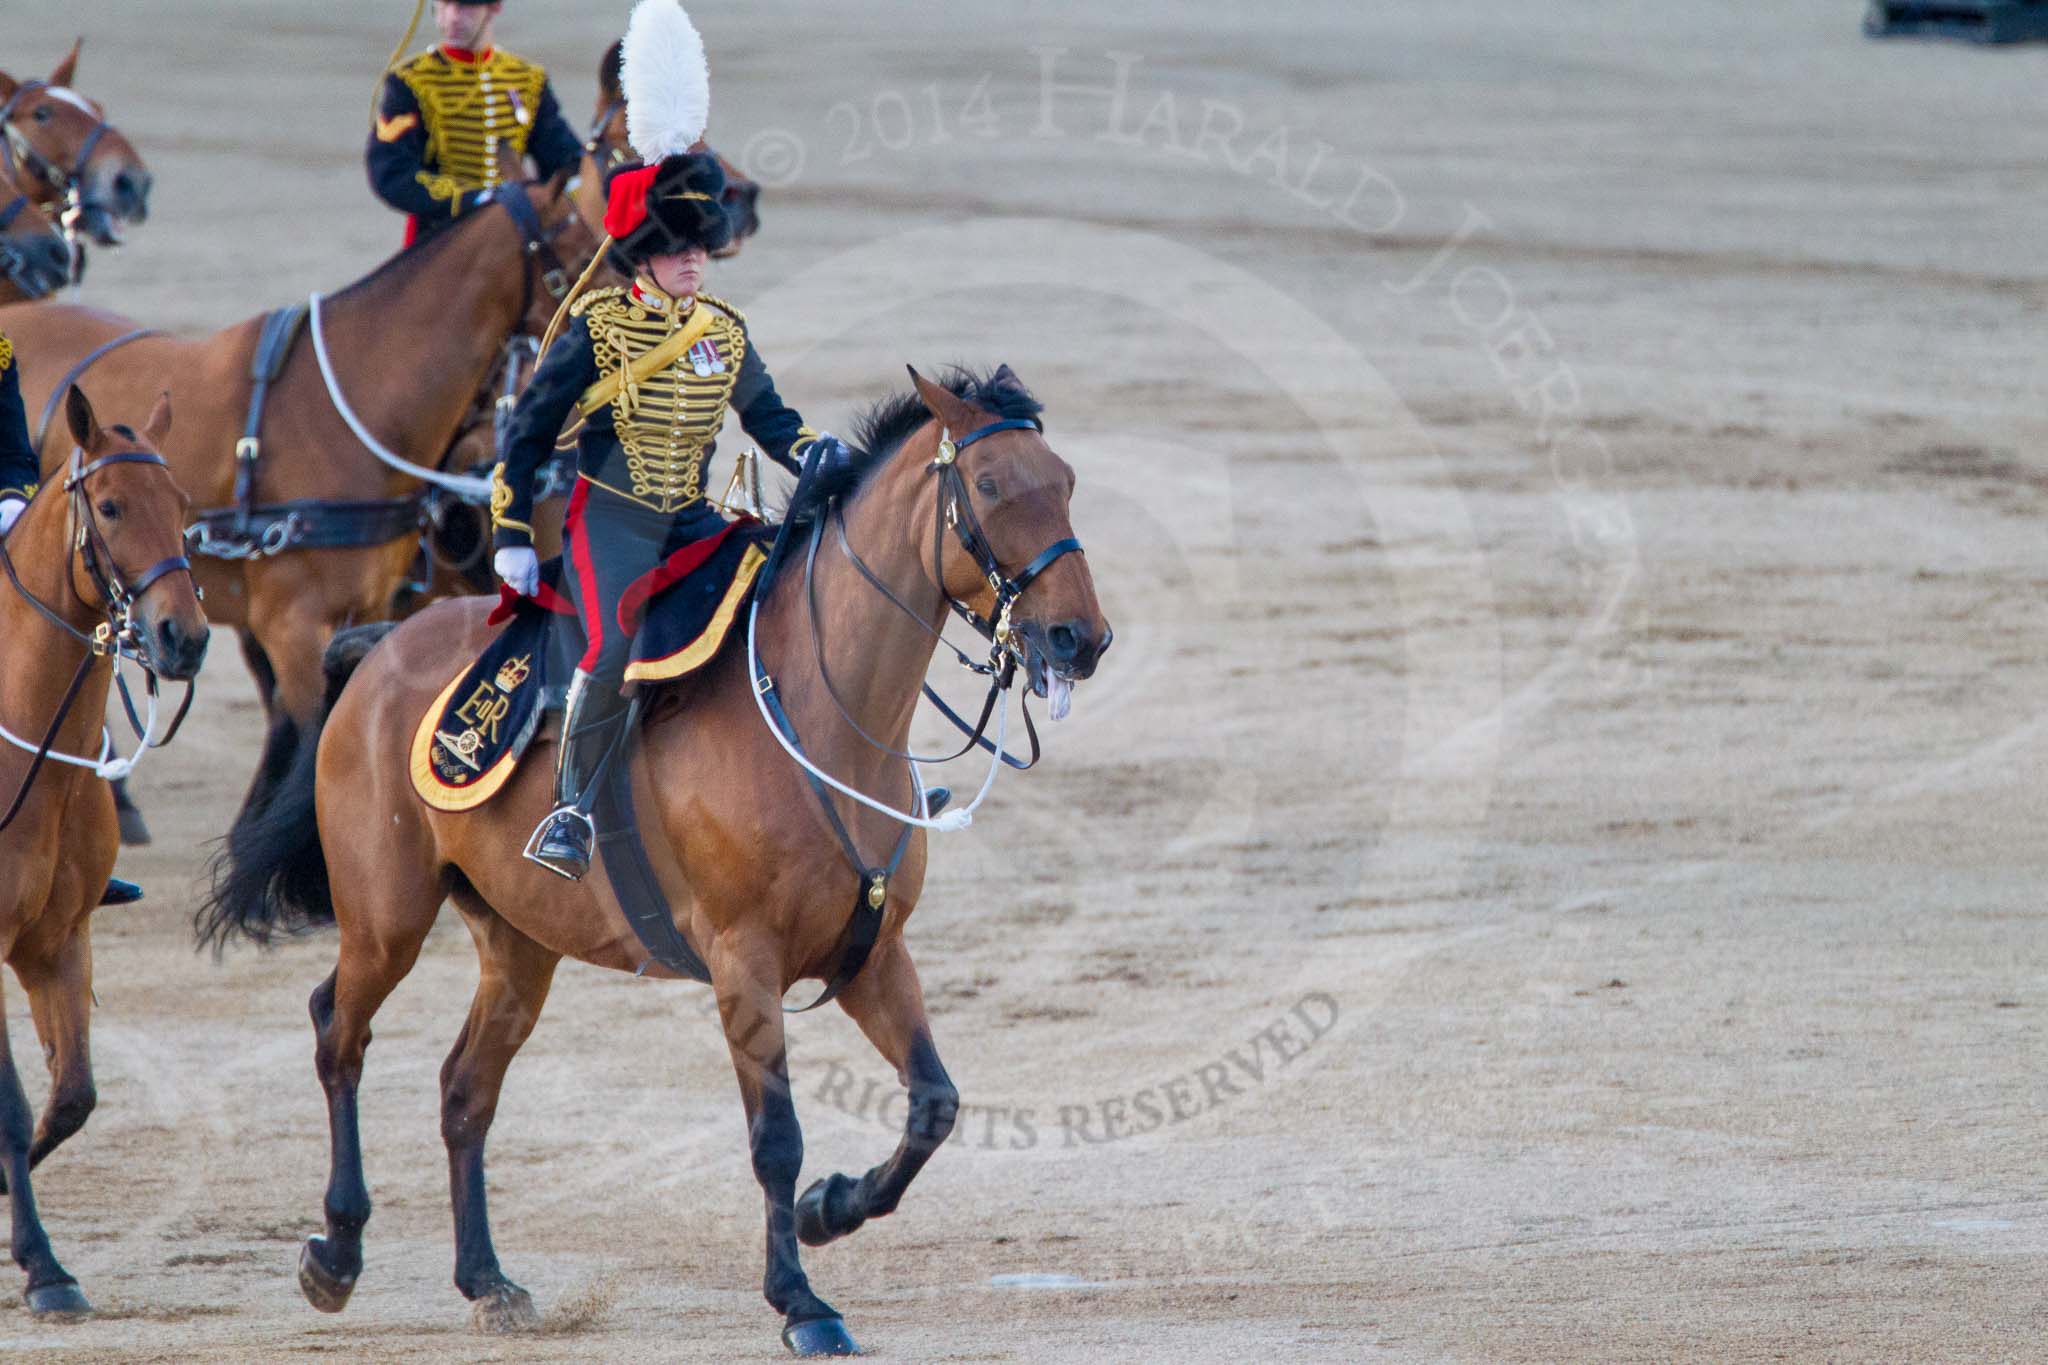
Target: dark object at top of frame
[1977,21]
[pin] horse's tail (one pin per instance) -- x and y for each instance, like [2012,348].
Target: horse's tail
[270,875]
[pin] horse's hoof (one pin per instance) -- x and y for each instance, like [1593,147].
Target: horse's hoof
[816,1222]
[508,1309]
[819,1337]
[61,1300]
[134,829]
[323,1289]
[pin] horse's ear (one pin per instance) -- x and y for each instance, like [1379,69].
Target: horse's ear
[511,170]
[85,428]
[1006,378]
[608,73]
[68,68]
[555,184]
[159,424]
[952,414]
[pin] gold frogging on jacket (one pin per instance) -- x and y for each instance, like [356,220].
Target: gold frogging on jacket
[666,414]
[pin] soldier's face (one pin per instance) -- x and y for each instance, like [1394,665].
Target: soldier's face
[679,273]
[465,26]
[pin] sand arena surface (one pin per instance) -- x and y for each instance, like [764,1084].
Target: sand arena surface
[1550,869]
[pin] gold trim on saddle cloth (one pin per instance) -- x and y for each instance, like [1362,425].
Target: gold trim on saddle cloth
[699,651]
[481,712]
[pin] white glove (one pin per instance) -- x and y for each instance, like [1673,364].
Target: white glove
[10,512]
[519,566]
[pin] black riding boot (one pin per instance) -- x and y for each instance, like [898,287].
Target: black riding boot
[590,721]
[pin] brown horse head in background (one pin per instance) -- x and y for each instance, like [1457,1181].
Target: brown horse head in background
[61,151]
[606,149]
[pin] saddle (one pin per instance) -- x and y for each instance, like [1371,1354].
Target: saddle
[470,741]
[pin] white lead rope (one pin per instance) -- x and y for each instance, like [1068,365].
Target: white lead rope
[466,485]
[945,822]
[107,766]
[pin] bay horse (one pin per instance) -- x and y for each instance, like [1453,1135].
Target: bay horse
[747,855]
[35,257]
[607,146]
[95,563]
[58,148]
[409,345]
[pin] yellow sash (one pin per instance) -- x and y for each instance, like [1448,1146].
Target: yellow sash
[651,362]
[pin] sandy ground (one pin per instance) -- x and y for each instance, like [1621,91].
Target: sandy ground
[1550,869]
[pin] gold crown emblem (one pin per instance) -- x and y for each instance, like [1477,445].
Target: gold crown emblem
[515,672]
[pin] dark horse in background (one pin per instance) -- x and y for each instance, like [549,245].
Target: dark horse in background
[747,858]
[409,346]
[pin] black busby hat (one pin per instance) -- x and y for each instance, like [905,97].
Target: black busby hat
[671,206]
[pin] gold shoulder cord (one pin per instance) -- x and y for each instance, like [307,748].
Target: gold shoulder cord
[6,354]
[568,436]
[377,95]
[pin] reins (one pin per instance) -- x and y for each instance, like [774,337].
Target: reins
[115,637]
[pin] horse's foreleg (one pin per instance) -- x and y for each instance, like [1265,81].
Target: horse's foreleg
[51,1289]
[291,641]
[260,669]
[516,975]
[341,1007]
[750,1006]
[888,1004]
[60,1003]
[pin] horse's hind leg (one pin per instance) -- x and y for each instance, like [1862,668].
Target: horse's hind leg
[380,940]
[750,1006]
[51,1289]
[516,975]
[888,1004]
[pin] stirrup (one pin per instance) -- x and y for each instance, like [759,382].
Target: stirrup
[556,844]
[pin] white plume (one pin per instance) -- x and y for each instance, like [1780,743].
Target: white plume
[665,80]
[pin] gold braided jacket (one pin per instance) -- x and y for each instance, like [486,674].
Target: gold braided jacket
[468,109]
[666,421]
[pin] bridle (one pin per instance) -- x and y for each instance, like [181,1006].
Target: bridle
[14,261]
[596,140]
[117,636]
[66,183]
[953,508]
[538,245]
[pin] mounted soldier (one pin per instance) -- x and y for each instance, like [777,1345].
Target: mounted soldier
[20,473]
[443,114]
[653,369]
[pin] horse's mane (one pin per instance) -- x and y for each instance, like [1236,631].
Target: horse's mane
[882,428]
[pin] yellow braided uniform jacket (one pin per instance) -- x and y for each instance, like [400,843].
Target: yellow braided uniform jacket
[649,437]
[440,122]
[19,468]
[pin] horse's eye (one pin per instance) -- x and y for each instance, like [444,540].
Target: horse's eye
[110,511]
[44,113]
[986,487]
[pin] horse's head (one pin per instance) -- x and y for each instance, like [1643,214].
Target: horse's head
[128,517]
[33,254]
[1016,492]
[607,148]
[65,153]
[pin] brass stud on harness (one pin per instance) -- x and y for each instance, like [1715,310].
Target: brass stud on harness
[948,452]
[878,891]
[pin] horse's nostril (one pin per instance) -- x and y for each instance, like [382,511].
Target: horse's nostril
[1064,642]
